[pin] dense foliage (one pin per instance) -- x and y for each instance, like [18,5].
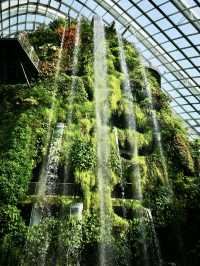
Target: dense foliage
[28,116]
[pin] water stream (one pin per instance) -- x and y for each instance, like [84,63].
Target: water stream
[66,187]
[128,100]
[122,183]
[41,186]
[74,70]
[48,174]
[156,128]
[128,103]
[48,177]
[102,130]
[155,244]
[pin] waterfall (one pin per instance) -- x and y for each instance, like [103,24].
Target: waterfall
[76,209]
[122,184]
[128,102]
[102,133]
[37,211]
[156,128]
[71,97]
[41,186]
[48,181]
[74,70]
[58,64]
[155,244]
[48,178]
[47,185]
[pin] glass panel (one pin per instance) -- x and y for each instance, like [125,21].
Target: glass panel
[145,5]
[188,29]
[152,29]
[192,99]
[31,8]
[155,15]
[164,24]
[124,4]
[188,108]
[169,8]
[54,4]
[173,33]
[13,3]
[4,5]
[134,12]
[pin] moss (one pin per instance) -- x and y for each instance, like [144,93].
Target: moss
[115,91]
[142,119]
[50,200]
[144,140]
[83,153]
[87,181]
[119,222]
[155,169]
[183,152]
[176,142]
[129,203]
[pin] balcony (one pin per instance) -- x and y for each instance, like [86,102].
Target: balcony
[19,62]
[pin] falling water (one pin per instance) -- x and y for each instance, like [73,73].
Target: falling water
[102,112]
[122,184]
[76,208]
[58,65]
[74,70]
[37,210]
[48,181]
[47,185]
[156,246]
[48,178]
[72,94]
[128,102]
[156,127]
[40,189]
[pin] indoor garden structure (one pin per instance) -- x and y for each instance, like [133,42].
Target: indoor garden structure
[95,167]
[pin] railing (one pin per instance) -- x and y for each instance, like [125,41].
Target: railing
[66,189]
[23,39]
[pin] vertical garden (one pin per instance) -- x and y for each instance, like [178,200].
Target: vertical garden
[121,153]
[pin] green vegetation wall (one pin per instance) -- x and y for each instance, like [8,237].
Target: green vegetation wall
[28,116]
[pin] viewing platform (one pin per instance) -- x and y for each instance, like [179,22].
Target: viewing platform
[19,61]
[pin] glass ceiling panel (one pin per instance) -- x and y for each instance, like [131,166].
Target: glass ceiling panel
[166,32]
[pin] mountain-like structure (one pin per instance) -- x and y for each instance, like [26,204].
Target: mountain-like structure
[95,168]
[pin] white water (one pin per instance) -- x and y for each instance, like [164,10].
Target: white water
[36,212]
[128,101]
[48,181]
[58,65]
[102,133]
[156,246]
[132,124]
[156,127]
[74,70]
[71,96]
[66,189]
[48,177]
[122,184]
